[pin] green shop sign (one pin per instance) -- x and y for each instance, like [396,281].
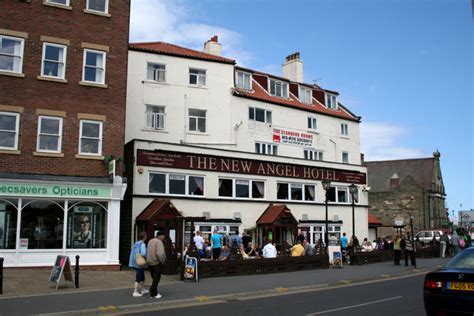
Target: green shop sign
[53,190]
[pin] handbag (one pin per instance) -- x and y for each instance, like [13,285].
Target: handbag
[141,262]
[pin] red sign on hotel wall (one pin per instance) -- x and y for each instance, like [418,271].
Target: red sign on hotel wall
[171,159]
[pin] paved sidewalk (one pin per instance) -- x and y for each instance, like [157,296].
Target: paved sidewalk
[92,297]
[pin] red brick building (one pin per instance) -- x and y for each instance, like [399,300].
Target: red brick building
[63,76]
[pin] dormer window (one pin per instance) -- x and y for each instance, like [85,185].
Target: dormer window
[331,102]
[243,80]
[278,88]
[305,95]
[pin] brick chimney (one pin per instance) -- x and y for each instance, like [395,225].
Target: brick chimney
[293,68]
[394,181]
[213,46]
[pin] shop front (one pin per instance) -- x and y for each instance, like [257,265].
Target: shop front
[42,219]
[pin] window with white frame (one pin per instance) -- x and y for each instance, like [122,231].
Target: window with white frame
[312,154]
[175,184]
[345,157]
[11,54]
[90,142]
[240,188]
[266,149]
[156,72]
[344,129]
[155,117]
[312,123]
[331,101]
[278,88]
[334,230]
[9,125]
[61,2]
[49,134]
[243,80]
[101,6]
[197,77]
[94,66]
[338,194]
[296,192]
[197,120]
[54,61]
[305,95]
[260,115]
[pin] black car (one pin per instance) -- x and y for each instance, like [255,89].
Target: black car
[450,290]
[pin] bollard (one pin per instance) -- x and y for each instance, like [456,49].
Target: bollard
[1,275]
[76,272]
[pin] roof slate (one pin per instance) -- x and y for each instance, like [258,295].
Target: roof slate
[260,94]
[272,213]
[380,172]
[174,50]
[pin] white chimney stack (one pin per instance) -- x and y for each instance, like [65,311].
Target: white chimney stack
[212,46]
[293,68]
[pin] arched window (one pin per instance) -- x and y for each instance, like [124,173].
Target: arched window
[8,222]
[42,224]
[87,225]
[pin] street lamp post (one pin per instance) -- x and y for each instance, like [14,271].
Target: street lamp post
[353,190]
[326,186]
[413,239]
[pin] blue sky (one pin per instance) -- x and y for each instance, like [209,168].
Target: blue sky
[405,66]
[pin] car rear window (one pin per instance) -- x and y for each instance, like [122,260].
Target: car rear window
[465,260]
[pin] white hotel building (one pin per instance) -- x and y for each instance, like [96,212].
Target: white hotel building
[211,145]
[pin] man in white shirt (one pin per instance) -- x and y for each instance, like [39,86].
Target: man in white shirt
[199,242]
[269,251]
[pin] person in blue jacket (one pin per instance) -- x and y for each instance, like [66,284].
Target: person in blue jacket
[138,247]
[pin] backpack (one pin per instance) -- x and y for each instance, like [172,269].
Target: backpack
[462,243]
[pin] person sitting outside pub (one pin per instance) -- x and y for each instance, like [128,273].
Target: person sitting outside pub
[332,240]
[367,246]
[269,251]
[308,249]
[297,250]
[250,250]
[225,253]
[246,239]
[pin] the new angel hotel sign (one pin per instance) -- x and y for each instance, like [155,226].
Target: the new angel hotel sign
[171,159]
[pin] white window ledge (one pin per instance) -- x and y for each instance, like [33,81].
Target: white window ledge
[97,13]
[46,154]
[10,152]
[79,156]
[92,84]
[12,74]
[52,79]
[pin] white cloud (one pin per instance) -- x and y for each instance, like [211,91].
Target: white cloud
[380,141]
[169,21]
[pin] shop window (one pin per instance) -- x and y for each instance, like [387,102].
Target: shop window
[225,187]
[196,185]
[338,194]
[157,183]
[177,184]
[8,221]
[243,189]
[87,225]
[296,192]
[42,225]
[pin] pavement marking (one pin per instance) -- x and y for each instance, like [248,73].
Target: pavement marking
[345,281]
[202,299]
[385,275]
[281,289]
[353,306]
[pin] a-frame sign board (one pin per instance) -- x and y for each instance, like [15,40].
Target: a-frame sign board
[61,266]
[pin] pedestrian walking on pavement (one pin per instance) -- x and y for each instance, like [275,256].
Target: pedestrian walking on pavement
[397,250]
[443,244]
[155,259]
[455,243]
[138,248]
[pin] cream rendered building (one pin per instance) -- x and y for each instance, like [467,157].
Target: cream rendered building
[211,145]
